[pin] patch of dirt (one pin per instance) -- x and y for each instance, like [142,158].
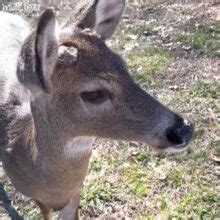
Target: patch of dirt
[184,72]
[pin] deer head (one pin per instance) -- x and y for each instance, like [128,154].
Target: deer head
[87,86]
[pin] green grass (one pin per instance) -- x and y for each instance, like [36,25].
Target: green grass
[129,37]
[142,158]
[139,30]
[176,177]
[33,215]
[206,89]
[186,11]
[96,164]
[97,192]
[144,64]
[99,189]
[216,147]
[152,9]
[195,197]
[196,204]
[136,180]
[206,39]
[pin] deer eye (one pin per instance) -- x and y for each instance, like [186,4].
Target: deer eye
[95,97]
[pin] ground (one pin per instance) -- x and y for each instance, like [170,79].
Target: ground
[173,52]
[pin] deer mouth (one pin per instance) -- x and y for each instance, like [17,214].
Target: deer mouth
[169,148]
[175,140]
[173,148]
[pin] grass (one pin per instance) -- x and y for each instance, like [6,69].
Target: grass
[128,38]
[176,177]
[136,180]
[186,11]
[144,64]
[195,204]
[205,40]
[96,192]
[140,30]
[216,147]
[206,89]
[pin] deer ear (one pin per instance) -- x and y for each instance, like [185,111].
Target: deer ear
[46,48]
[104,16]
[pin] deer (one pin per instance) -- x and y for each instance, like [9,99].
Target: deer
[61,88]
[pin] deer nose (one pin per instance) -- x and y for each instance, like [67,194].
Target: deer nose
[179,135]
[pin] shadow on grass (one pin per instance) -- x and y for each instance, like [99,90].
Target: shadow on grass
[6,204]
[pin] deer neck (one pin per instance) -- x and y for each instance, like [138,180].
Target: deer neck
[52,141]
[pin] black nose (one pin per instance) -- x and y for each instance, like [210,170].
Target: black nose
[181,133]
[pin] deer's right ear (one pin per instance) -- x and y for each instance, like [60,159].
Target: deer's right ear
[46,48]
[103,16]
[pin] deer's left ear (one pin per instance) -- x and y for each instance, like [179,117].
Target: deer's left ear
[104,16]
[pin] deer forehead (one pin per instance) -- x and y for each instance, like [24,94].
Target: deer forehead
[85,42]
[94,58]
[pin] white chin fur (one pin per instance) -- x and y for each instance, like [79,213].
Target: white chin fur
[177,149]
